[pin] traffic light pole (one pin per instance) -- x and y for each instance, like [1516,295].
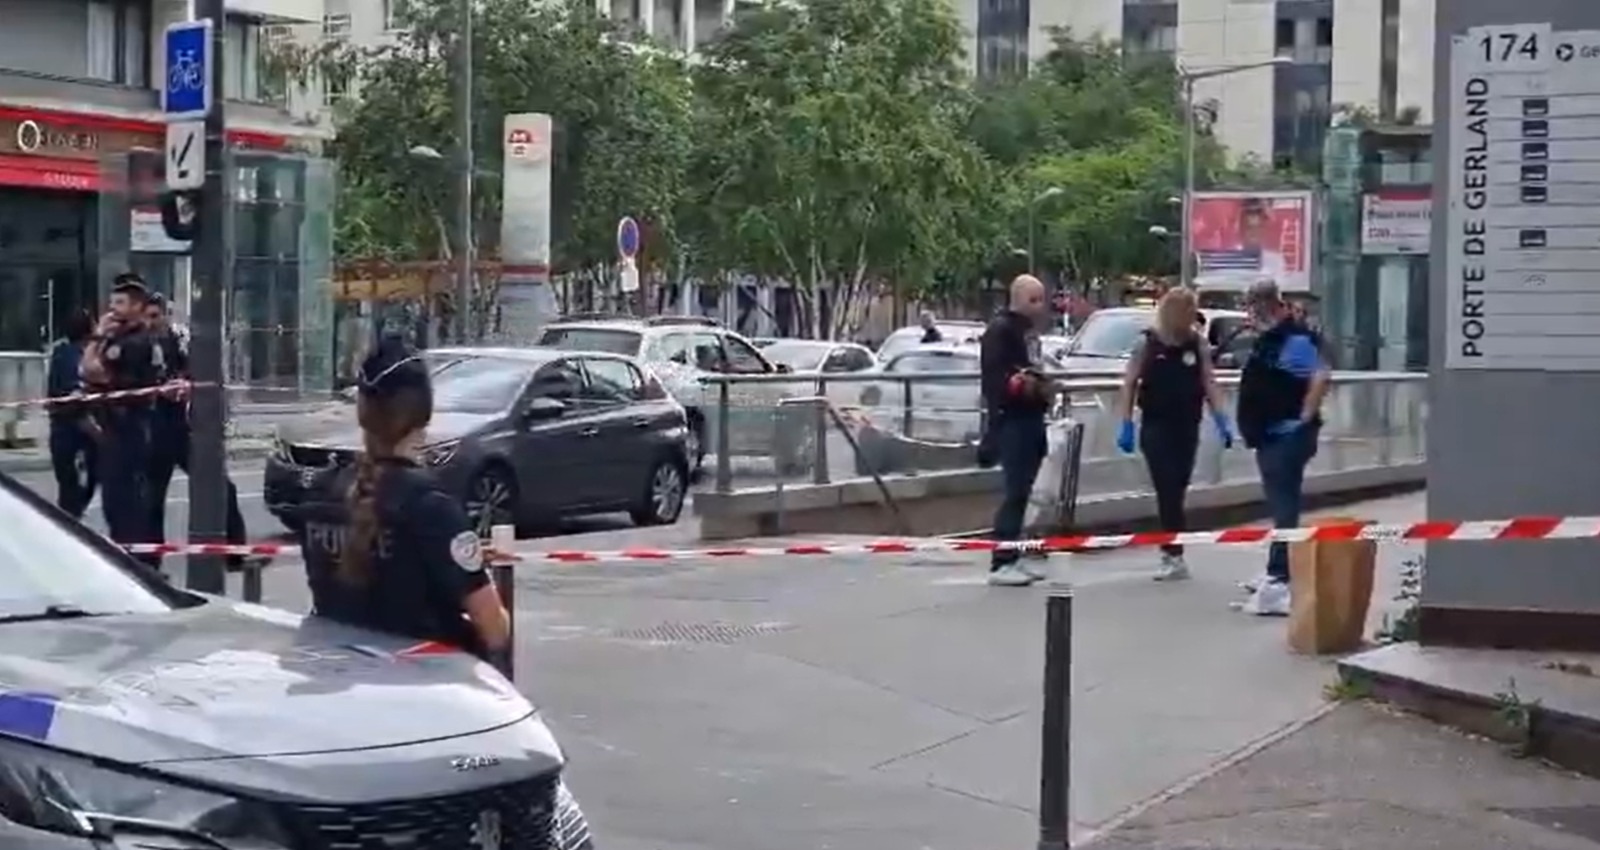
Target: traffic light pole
[210,283]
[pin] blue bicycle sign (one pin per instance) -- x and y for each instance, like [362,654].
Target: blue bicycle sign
[187,93]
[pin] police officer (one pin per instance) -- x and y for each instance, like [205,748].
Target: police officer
[122,355]
[386,548]
[72,450]
[169,431]
[1280,396]
[1169,378]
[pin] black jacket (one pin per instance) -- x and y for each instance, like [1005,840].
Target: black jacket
[1004,352]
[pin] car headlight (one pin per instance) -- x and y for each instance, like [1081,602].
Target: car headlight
[47,790]
[440,454]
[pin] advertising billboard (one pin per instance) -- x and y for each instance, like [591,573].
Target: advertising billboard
[1267,233]
[1396,221]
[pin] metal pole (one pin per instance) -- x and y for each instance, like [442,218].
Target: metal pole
[502,540]
[1032,206]
[724,441]
[1055,732]
[465,252]
[208,487]
[1186,230]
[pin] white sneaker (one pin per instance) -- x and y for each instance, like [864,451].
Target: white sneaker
[1035,567]
[1173,568]
[1011,575]
[1270,599]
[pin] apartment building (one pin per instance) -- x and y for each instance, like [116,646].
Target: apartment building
[81,133]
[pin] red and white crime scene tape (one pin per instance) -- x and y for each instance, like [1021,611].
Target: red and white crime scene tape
[1516,528]
[81,398]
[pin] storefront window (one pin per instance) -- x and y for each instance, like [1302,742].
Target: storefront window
[45,238]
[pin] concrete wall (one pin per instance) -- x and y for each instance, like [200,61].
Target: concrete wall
[1505,443]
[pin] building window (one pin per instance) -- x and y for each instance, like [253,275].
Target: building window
[1284,38]
[241,59]
[1324,32]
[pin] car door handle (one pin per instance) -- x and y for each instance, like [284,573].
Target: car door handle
[589,432]
[641,423]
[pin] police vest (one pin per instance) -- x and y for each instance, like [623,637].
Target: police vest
[1269,394]
[1170,389]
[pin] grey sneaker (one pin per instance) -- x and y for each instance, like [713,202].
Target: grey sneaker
[1011,575]
[1173,568]
[1271,599]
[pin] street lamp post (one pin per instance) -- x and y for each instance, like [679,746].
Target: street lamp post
[1187,79]
[1033,208]
[464,106]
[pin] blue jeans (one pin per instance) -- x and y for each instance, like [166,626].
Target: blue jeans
[1282,461]
[1020,446]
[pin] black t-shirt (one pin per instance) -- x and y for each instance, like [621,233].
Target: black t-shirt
[1170,385]
[426,560]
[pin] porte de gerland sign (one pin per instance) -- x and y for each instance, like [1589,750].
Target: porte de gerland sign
[1523,219]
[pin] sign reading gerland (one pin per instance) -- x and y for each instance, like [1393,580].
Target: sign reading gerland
[1522,233]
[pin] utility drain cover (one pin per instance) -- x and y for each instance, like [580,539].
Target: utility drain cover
[723,633]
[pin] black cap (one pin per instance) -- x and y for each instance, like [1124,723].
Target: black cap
[392,366]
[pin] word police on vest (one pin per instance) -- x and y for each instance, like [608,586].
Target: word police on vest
[331,539]
[1474,169]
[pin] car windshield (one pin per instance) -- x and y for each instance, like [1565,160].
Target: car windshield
[798,355]
[50,570]
[479,384]
[935,361]
[609,340]
[1110,334]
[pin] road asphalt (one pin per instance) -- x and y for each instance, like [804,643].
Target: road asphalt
[893,701]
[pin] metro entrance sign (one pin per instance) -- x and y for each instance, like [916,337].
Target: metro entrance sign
[1522,232]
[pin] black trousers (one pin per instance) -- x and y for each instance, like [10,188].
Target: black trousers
[73,459]
[124,463]
[169,453]
[1020,445]
[1169,450]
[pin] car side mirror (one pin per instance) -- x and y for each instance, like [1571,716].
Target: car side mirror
[543,409]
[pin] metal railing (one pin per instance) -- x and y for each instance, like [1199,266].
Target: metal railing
[22,378]
[932,421]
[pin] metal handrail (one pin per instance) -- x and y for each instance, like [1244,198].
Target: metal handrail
[826,408]
[1110,379]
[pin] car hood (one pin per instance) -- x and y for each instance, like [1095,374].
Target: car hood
[228,680]
[1106,365]
[335,427]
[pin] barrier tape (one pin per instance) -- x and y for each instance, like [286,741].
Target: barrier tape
[1517,528]
[80,398]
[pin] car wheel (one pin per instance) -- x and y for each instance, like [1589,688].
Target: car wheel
[696,445]
[492,500]
[664,492]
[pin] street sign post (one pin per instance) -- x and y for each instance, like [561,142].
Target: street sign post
[187,94]
[627,238]
[186,155]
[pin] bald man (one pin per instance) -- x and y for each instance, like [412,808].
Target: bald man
[1016,398]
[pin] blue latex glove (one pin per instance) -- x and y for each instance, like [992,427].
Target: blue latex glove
[1286,427]
[1224,430]
[1125,437]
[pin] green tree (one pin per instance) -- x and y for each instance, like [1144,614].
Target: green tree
[830,153]
[621,117]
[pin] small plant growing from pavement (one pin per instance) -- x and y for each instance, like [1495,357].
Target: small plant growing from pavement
[1343,689]
[1516,715]
[1402,628]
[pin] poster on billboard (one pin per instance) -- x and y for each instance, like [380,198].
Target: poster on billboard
[1396,221]
[1267,233]
[525,300]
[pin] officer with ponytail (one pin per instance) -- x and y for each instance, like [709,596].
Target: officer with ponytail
[385,547]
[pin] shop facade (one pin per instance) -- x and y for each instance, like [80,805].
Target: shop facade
[78,205]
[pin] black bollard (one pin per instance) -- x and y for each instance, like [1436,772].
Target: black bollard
[1055,732]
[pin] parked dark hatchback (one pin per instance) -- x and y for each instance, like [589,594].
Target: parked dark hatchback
[133,714]
[523,436]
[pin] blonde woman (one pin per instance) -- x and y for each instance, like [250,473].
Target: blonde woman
[1170,379]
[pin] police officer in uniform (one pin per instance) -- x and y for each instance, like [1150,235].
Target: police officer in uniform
[1280,396]
[386,548]
[122,355]
[169,431]
[1169,378]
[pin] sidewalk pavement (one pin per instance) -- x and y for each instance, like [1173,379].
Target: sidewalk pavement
[1365,777]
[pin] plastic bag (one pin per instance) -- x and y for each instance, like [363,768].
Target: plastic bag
[1050,501]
